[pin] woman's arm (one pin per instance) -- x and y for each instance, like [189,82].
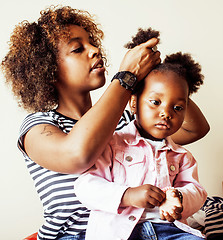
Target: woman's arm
[77,151]
[195,126]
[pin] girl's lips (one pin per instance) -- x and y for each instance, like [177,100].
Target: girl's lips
[163,126]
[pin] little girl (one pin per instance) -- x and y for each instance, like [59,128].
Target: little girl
[144,181]
[52,66]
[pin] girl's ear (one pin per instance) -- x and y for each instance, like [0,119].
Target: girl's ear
[133,104]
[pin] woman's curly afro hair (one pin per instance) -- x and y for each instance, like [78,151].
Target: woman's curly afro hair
[30,66]
[180,63]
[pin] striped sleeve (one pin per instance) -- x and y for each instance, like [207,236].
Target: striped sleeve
[31,121]
[125,119]
[213,208]
[63,212]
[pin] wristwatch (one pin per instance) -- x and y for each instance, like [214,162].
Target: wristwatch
[126,79]
[180,196]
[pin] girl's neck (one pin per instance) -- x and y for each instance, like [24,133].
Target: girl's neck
[76,106]
[145,134]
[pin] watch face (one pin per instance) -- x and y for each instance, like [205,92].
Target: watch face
[129,80]
[126,79]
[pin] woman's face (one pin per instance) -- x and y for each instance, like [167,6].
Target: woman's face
[162,105]
[80,66]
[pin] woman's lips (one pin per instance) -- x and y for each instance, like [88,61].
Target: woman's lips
[97,65]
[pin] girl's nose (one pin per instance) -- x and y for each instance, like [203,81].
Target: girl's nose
[165,114]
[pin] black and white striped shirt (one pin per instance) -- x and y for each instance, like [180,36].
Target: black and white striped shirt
[63,212]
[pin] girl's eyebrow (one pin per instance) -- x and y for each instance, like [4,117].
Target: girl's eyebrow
[162,94]
[156,93]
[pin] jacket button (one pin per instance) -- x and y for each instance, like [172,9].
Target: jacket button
[128,158]
[132,218]
[172,168]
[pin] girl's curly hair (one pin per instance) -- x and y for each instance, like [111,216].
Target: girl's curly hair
[181,64]
[30,66]
[141,37]
[184,65]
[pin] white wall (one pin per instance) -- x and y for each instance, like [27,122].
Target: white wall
[188,26]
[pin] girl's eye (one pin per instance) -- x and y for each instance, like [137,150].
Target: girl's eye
[155,102]
[78,50]
[178,108]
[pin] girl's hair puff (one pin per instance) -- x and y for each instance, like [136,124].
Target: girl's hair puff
[141,37]
[182,64]
[30,66]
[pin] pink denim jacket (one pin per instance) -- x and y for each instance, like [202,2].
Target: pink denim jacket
[128,161]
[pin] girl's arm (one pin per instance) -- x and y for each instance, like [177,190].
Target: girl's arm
[187,182]
[88,188]
[77,151]
[195,126]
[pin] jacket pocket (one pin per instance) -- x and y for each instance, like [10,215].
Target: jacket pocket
[129,167]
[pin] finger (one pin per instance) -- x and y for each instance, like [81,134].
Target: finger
[157,57]
[174,193]
[158,193]
[168,217]
[154,56]
[150,43]
[153,201]
[178,209]
[161,215]
[158,61]
[156,198]
[149,205]
[157,54]
[175,215]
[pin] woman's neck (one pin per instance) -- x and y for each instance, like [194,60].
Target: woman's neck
[74,107]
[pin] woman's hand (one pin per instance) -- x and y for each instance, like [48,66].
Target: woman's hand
[172,207]
[145,196]
[141,59]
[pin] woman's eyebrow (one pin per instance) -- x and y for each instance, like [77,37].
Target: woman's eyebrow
[75,39]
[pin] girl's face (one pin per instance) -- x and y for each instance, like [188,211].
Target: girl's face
[80,66]
[162,105]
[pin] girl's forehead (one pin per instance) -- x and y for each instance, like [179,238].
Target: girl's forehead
[168,78]
[165,82]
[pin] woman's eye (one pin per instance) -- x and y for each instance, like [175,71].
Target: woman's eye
[178,108]
[154,102]
[78,50]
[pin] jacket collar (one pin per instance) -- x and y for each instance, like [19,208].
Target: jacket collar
[132,136]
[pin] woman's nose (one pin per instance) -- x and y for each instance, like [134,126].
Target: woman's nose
[93,52]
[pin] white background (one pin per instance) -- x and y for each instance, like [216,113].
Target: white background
[194,26]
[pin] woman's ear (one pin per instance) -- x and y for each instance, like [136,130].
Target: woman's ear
[133,104]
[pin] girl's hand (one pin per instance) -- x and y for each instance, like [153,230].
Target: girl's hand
[140,60]
[172,207]
[145,196]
